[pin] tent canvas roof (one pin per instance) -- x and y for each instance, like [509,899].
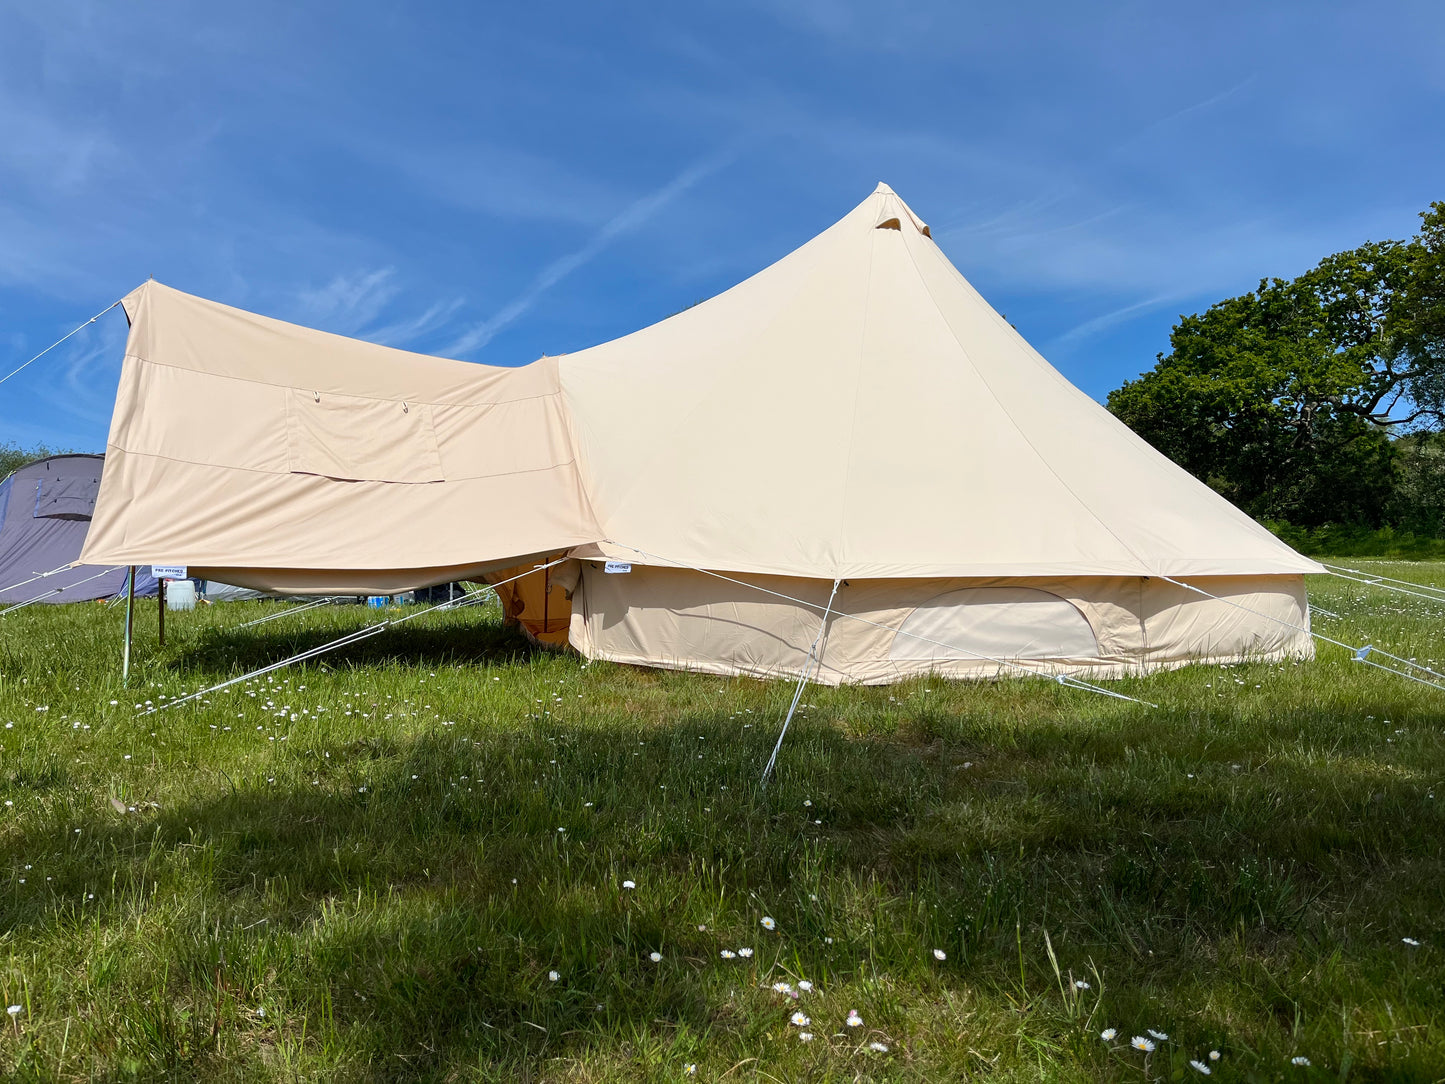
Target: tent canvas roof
[854,410]
[857,409]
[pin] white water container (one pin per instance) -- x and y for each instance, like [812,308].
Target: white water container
[180,594]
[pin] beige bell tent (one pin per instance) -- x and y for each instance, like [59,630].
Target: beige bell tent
[854,415]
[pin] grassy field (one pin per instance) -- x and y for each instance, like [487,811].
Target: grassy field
[443,855]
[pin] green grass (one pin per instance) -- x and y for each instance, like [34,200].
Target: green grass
[1346,540]
[220,892]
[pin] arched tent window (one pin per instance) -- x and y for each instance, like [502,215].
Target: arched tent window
[997,623]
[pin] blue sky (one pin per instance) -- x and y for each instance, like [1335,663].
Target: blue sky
[496,182]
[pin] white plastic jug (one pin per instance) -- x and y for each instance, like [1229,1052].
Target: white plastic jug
[180,594]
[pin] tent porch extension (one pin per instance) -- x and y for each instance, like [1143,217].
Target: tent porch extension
[855,412]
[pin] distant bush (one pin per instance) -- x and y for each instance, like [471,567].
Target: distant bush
[13,457]
[1347,540]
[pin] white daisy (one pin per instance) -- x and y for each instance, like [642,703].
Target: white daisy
[854,1020]
[14,1010]
[782,988]
[655,957]
[769,924]
[880,1048]
[1141,1043]
[805,986]
[939,954]
[1161,1036]
[1411,942]
[805,1036]
[629,884]
[799,1020]
[1214,1055]
[728,954]
[1080,984]
[1299,1059]
[1199,1067]
[1108,1034]
[745,952]
[553,976]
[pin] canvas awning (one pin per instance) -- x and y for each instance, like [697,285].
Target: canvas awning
[336,465]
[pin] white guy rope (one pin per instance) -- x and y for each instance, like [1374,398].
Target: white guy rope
[1061,679]
[57,590]
[38,576]
[289,611]
[60,340]
[1361,654]
[1364,577]
[333,598]
[350,638]
[813,654]
[1381,576]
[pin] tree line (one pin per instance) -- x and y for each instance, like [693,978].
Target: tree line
[1318,400]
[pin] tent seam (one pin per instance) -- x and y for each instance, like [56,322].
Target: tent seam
[719,377]
[1062,382]
[310,474]
[303,387]
[913,262]
[840,561]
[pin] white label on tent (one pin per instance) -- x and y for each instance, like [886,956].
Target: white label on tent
[618,566]
[168,572]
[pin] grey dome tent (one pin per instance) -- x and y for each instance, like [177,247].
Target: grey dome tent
[45,510]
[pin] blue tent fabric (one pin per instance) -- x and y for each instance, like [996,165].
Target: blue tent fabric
[45,510]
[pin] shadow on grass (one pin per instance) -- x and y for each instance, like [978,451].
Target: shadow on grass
[409,897]
[443,639]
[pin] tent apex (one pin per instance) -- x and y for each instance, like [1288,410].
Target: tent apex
[883,190]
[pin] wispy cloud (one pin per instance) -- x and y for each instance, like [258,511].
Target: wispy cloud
[77,387]
[1076,186]
[349,302]
[48,153]
[408,331]
[627,220]
[1204,104]
[360,304]
[1073,160]
[1105,321]
[861,25]
[497,181]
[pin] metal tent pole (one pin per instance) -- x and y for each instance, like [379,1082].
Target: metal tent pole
[161,612]
[129,625]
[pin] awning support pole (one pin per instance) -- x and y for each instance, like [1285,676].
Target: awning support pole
[161,612]
[129,625]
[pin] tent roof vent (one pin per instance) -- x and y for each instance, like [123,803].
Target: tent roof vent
[893,212]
